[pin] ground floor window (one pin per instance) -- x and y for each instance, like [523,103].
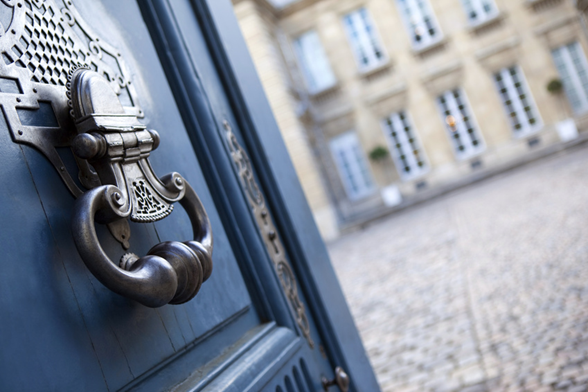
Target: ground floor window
[573,70]
[460,123]
[405,148]
[352,165]
[517,100]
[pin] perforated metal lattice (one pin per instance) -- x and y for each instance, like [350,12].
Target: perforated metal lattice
[40,42]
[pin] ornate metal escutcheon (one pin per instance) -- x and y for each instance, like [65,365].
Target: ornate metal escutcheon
[53,61]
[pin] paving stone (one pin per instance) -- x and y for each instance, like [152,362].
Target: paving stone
[577,388]
[563,384]
[492,276]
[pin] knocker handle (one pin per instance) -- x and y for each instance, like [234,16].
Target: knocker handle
[171,272]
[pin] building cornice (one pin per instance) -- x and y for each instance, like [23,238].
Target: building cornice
[263,4]
[282,12]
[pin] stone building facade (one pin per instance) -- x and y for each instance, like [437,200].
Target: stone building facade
[384,103]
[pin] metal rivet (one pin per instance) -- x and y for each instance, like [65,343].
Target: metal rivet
[62,168]
[17,99]
[272,235]
[118,199]
[34,90]
[179,181]
[20,132]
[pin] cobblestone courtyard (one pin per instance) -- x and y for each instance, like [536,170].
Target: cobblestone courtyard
[483,289]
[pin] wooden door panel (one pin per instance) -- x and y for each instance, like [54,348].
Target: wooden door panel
[40,317]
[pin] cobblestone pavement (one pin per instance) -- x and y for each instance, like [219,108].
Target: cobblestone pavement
[485,289]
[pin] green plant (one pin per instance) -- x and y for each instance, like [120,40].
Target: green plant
[378,153]
[555,86]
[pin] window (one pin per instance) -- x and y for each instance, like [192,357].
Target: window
[314,63]
[352,165]
[421,22]
[364,39]
[406,151]
[572,67]
[460,124]
[479,11]
[518,102]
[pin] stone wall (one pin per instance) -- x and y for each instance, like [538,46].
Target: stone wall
[523,34]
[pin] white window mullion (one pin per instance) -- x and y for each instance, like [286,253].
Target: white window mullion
[580,66]
[513,96]
[353,33]
[574,78]
[464,134]
[364,39]
[361,168]
[352,165]
[460,127]
[576,93]
[416,13]
[480,10]
[405,146]
[314,63]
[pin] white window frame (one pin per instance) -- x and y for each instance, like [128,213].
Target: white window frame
[523,122]
[572,66]
[405,145]
[352,165]
[464,145]
[314,63]
[364,40]
[414,13]
[480,9]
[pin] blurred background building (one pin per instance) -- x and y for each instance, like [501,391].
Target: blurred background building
[385,103]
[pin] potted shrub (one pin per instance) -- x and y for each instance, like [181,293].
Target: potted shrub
[566,129]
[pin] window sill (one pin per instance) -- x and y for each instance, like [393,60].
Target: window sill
[430,48]
[471,155]
[326,95]
[368,73]
[488,24]
[540,5]
[324,91]
[530,133]
[415,177]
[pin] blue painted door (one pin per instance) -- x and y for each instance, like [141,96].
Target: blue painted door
[255,324]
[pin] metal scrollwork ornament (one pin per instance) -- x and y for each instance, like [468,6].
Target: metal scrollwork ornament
[269,232]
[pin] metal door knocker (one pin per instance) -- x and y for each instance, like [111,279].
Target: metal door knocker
[42,43]
[117,146]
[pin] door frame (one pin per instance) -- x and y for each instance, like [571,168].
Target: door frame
[278,180]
